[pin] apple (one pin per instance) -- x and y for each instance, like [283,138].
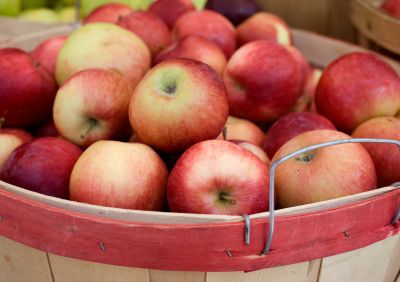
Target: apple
[170,10]
[322,174]
[48,128]
[211,26]
[244,130]
[178,103]
[103,45]
[263,81]
[43,165]
[67,14]
[109,13]
[87,6]
[30,4]
[291,125]
[306,101]
[263,25]
[27,89]
[153,31]
[92,105]
[10,139]
[357,87]
[256,150]
[136,176]
[386,157]
[196,48]
[10,8]
[302,63]
[218,177]
[392,7]
[44,15]
[47,52]
[235,10]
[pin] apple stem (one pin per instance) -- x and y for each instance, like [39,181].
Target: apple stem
[224,133]
[2,120]
[92,122]
[227,198]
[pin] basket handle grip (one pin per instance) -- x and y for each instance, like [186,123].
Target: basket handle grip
[301,151]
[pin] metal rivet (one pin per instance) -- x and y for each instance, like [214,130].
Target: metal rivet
[346,234]
[102,246]
[246,229]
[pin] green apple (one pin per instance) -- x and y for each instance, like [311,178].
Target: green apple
[10,7]
[89,5]
[31,4]
[199,4]
[67,14]
[40,15]
[140,4]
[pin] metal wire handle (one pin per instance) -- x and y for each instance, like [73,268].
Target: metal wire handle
[301,151]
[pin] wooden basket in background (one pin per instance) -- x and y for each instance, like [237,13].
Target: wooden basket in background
[375,26]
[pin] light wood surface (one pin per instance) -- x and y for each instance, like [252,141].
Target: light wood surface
[19,263]
[299,272]
[73,270]
[377,262]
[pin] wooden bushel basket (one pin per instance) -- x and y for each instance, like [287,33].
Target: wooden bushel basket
[374,24]
[353,238]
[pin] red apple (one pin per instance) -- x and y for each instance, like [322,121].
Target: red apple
[108,13]
[178,103]
[47,52]
[306,101]
[291,125]
[263,81]
[322,174]
[135,177]
[235,10]
[209,25]
[103,45]
[386,157]
[218,177]
[196,48]
[153,31]
[263,25]
[244,130]
[355,88]
[392,7]
[43,165]
[302,63]
[170,10]
[10,139]
[92,105]
[48,128]
[27,89]
[256,150]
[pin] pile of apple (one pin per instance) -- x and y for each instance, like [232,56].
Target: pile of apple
[47,11]
[177,109]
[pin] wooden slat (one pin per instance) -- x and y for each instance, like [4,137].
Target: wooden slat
[67,270]
[370,264]
[176,276]
[321,51]
[181,218]
[198,247]
[20,263]
[299,272]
